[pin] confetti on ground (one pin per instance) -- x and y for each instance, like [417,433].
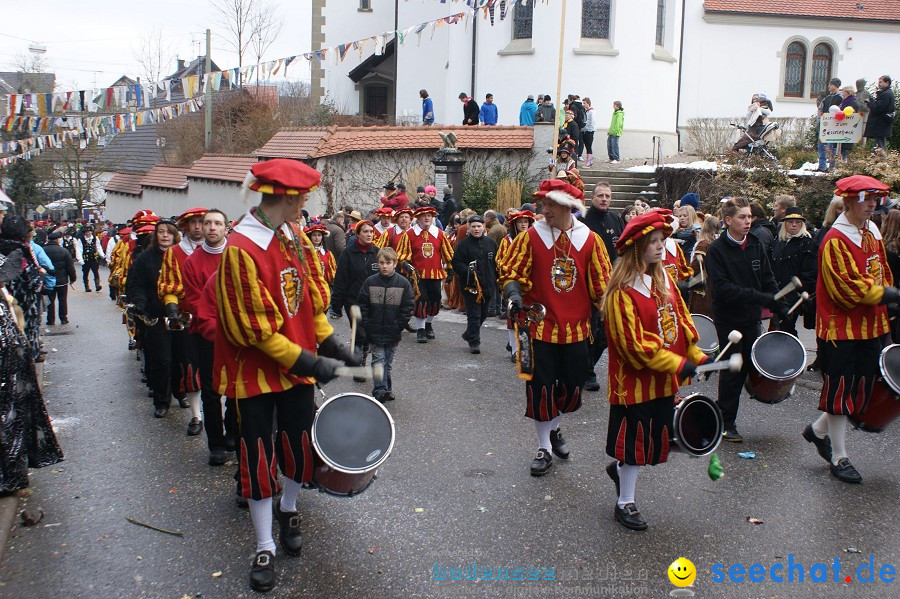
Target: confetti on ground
[747,455]
[754,520]
[419,510]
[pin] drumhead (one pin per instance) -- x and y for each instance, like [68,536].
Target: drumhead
[353,433]
[778,355]
[709,339]
[889,363]
[698,425]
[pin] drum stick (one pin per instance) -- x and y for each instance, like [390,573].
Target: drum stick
[733,337]
[803,297]
[355,315]
[700,264]
[361,371]
[794,285]
[734,364]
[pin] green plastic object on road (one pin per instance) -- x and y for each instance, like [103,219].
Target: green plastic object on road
[715,471]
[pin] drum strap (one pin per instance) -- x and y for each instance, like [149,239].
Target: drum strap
[524,352]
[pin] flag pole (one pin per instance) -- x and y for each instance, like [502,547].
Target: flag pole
[559,71]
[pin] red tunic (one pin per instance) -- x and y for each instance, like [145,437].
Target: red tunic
[650,339]
[428,250]
[329,265]
[853,272]
[564,275]
[675,263]
[197,270]
[271,307]
[170,285]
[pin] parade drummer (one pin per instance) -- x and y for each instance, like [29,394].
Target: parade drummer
[317,234]
[519,222]
[425,249]
[185,346]
[854,286]
[272,297]
[559,263]
[652,349]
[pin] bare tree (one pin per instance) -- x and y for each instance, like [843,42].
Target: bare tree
[30,63]
[236,16]
[153,54]
[76,170]
[265,27]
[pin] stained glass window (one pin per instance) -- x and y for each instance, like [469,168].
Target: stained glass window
[795,70]
[821,69]
[595,18]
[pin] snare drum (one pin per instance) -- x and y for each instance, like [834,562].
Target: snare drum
[778,361]
[697,426]
[352,435]
[709,339]
[883,405]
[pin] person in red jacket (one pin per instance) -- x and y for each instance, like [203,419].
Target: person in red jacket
[196,272]
[652,349]
[394,198]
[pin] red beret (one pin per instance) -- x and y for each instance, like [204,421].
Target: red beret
[316,229]
[383,211]
[144,217]
[861,185]
[404,210]
[146,229]
[425,210]
[283,176]
[644,224]
[189,214]
[520,214]
[125,231]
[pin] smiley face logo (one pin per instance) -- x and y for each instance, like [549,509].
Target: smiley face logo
[682,572]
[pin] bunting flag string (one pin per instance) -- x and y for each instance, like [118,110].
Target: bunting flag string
[38,105]
[33,146]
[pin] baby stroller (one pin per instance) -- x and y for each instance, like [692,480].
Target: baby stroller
[762,144]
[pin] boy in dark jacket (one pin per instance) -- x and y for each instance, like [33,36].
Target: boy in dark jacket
[64,267]
[386,303]
[741,282]
[476,269]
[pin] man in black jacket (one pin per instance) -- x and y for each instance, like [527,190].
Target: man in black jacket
[761,227]
[476,269]
[741,282]
[608,225]
[64,267]
[471,110]
[386,303]
[450,208]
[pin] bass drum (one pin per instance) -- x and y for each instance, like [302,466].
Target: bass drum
[352,435]
[778,361]
[709,339]
[883,405]
[697,426]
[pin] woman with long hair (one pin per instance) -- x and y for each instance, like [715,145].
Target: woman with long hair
[688,229]
[149,311]
[834,210]
[652,349]
[793,255]
[700,301]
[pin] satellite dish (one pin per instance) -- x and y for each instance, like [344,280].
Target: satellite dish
[36,48]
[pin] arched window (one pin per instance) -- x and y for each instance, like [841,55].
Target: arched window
[522,18]
[595,16]
[795,70]
[821,69]
[660,22]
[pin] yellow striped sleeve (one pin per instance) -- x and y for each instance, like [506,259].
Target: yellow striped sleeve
[599,271]
[517,263]
[170,284]
[638,346]
[446,251]
[846,286]
[319,290]
[404,249]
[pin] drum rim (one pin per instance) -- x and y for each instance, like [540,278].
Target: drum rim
[693,397]
[886,375]
[330,463]
[712,323]
[773,377]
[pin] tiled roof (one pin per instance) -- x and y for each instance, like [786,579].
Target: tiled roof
[134,151]
[168,177]
[222,167]
[866,10]
[293,142]
[129,183]
[306,143]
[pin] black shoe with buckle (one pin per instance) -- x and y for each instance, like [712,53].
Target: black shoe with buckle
[823,446]
[732,436]
[845,471]
[429,331]
[558,445]
[262,572]
[291,537]
[421,337]
[591,383]
[540,465]
[630,517]
[195,427]
[612,471]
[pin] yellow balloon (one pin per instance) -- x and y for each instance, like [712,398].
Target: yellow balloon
[849,110]
[682,572]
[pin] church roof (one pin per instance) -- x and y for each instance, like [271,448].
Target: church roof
[857,10]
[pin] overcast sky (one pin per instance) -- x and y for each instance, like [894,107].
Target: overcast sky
[91,43]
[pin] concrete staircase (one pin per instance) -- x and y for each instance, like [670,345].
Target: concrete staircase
[626,186]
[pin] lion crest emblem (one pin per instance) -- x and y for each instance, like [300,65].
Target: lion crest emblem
[563,274]
[428,249]
[667,323]
[291,289]
[874,270]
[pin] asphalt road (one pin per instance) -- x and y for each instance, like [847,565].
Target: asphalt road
[456,492]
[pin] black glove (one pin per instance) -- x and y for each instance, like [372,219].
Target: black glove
[780,309]
[172,310]
[891,296]
[513,293]
[689,370]
[767,299]
[408,268]
[322,369]
[332,348]
[336,312]
[450,274]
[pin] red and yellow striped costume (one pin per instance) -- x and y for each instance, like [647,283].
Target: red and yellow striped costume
[429,251]
[170,285]
[329,265]
[120,260]
[675,263]
[553,273]
[853,272]
[650,338]
[271,301]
